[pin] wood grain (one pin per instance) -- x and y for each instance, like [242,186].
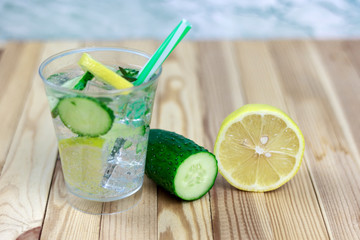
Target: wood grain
[353,53]
[332,167]
[28,169]
[315,82]
[61,220]
[18,66]
[341,67]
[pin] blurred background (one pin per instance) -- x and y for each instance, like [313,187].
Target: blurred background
[154,19]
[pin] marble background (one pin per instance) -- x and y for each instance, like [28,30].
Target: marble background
[154,19]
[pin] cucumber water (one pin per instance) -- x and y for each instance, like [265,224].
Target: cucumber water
[179,165]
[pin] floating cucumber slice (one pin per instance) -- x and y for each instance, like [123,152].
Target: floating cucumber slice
[179,165]
[85,116]
[77,83]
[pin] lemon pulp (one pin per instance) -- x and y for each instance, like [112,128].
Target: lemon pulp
[259,148]
[81,160]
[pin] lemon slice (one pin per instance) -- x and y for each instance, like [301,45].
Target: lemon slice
[81,163]
[103,73]
[259,148]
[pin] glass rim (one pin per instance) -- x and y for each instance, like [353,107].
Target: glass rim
[53,57]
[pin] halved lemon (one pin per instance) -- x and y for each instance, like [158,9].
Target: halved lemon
[101,72]
[259,148]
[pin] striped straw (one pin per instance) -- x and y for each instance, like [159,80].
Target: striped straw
[163,52]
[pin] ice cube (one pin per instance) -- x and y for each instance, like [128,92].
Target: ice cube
[59,78]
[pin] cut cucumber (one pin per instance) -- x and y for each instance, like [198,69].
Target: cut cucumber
[85,116]
[77,83]
[83,81]
[179,165]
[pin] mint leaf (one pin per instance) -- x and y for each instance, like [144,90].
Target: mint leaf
[128,73]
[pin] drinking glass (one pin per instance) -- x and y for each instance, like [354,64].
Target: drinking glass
[103,174]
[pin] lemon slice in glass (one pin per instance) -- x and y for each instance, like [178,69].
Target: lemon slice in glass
[102,73]
[81,163]
[259,148]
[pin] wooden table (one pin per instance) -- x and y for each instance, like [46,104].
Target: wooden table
[316,82]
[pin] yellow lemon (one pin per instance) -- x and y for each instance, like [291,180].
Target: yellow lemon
[103,73]
[259,148]
[81,159]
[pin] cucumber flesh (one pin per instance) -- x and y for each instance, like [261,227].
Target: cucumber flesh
[85,116]
[179,165]
[195,176]
[77,83]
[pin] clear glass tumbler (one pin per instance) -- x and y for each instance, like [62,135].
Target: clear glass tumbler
[104,172]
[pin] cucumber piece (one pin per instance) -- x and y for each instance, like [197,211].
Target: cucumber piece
[85,116]
[179,165]
[83,81]
[77,83]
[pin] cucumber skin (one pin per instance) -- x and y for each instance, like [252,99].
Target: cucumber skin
[83,81]
[165,153]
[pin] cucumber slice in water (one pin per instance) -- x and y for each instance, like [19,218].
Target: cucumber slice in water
[179,165]
[77,83]
[85,116]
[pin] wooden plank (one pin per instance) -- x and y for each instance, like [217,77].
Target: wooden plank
[333,168]
[18,66]
[351,48]
[316,83]
[179,109]
[342,65]
[27,172]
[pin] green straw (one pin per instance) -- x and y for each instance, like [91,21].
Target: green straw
[163,52]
